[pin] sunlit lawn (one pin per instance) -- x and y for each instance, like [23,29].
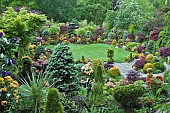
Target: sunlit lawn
[95,51]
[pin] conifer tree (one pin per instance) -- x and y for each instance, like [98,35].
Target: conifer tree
[63,71]
[53,104]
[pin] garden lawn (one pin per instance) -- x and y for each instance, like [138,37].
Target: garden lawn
[95,51]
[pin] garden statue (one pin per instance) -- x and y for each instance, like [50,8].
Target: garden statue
[88,85]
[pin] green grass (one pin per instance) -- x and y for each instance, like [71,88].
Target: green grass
[95,51]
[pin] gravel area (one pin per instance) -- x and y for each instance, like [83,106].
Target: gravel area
[125,67]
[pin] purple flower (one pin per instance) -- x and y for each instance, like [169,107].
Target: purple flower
[6,73]
[16,54]
[1,34]
[15,40]
[13,61]
[17,9]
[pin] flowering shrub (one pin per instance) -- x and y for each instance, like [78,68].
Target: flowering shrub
[87,69]
[8,93]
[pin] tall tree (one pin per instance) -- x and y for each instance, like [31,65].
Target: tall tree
[58,10]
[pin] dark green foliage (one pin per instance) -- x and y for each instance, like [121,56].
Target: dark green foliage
[150,47]
[61,68]
[128,95]
[46,34]
[38,51]
[58,10]
[53,104]
[159,66]
[53,42]
[25,68]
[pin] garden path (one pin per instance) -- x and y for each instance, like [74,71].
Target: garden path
[125,67]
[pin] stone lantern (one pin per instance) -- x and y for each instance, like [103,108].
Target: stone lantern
[72,26]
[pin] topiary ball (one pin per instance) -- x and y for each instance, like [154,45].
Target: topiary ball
[113,72]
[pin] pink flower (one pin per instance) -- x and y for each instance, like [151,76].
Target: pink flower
[46,84]
[89,59]
[110,84]
[37,71]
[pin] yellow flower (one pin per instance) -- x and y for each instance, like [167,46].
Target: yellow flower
[7,77]
[15,84]
[16,91]
[15,94]
[3,83]
[16,99]
[9,80]
[3,34]
[4,89]
[11,85]
[1,79]
[4,103]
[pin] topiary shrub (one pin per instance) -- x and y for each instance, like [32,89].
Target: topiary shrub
[146,66]
[128,95]
[113,72]
[133,76]
[53,104]
[38,51]
[61,68]
[150,58]
[110,54]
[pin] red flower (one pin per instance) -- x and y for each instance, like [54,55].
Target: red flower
[159,77]
[149,81]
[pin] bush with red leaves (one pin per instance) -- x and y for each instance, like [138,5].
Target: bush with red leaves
[164,51]
[154,34]
[140,63]
[141,37]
